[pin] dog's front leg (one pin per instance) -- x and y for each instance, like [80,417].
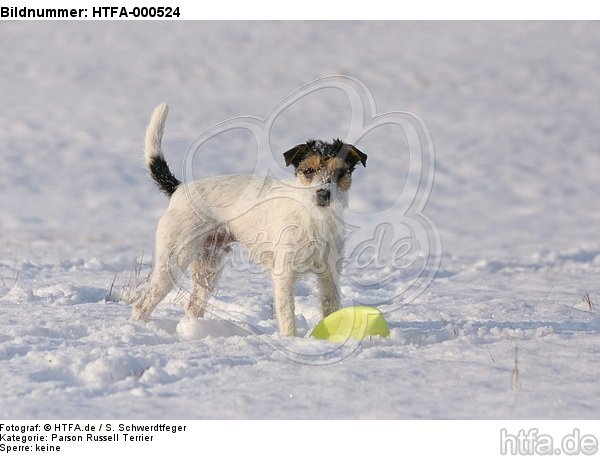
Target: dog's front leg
[329,295]
[283,294]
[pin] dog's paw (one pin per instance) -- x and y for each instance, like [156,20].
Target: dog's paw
[138,314]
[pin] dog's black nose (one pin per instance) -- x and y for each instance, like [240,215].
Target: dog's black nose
[323,196]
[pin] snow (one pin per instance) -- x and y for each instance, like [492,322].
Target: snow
[513,109]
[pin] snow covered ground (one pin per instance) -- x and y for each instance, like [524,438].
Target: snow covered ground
[513,109]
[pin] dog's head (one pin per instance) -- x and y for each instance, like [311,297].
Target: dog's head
[325,166]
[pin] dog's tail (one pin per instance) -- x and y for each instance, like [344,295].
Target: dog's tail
[155,160]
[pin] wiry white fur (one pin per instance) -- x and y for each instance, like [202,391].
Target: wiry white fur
[154,133]
[279,223]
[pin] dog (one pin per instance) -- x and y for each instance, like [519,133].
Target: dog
[288,227]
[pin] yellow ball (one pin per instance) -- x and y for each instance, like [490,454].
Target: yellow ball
[355,322]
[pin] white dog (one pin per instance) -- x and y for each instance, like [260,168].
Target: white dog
[289,228]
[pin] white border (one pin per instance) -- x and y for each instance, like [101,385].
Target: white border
[350,10]
[464,438]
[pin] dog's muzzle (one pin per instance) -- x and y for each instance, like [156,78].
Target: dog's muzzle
[323,197]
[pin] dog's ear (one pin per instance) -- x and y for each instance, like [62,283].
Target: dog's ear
[295,155]
[353,155]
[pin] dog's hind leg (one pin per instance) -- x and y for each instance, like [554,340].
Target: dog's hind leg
[205,273]
[170,262]
[161,282]
[206,270]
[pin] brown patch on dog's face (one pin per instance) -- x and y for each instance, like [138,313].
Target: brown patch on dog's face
[321,163]
[309,168]
[314,170]
[339,172]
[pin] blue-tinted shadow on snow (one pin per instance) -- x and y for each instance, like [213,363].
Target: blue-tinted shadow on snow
[433,332]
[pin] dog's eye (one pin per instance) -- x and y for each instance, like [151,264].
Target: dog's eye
[308,172]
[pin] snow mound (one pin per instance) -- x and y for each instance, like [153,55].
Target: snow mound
[194,328]
[113,367]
